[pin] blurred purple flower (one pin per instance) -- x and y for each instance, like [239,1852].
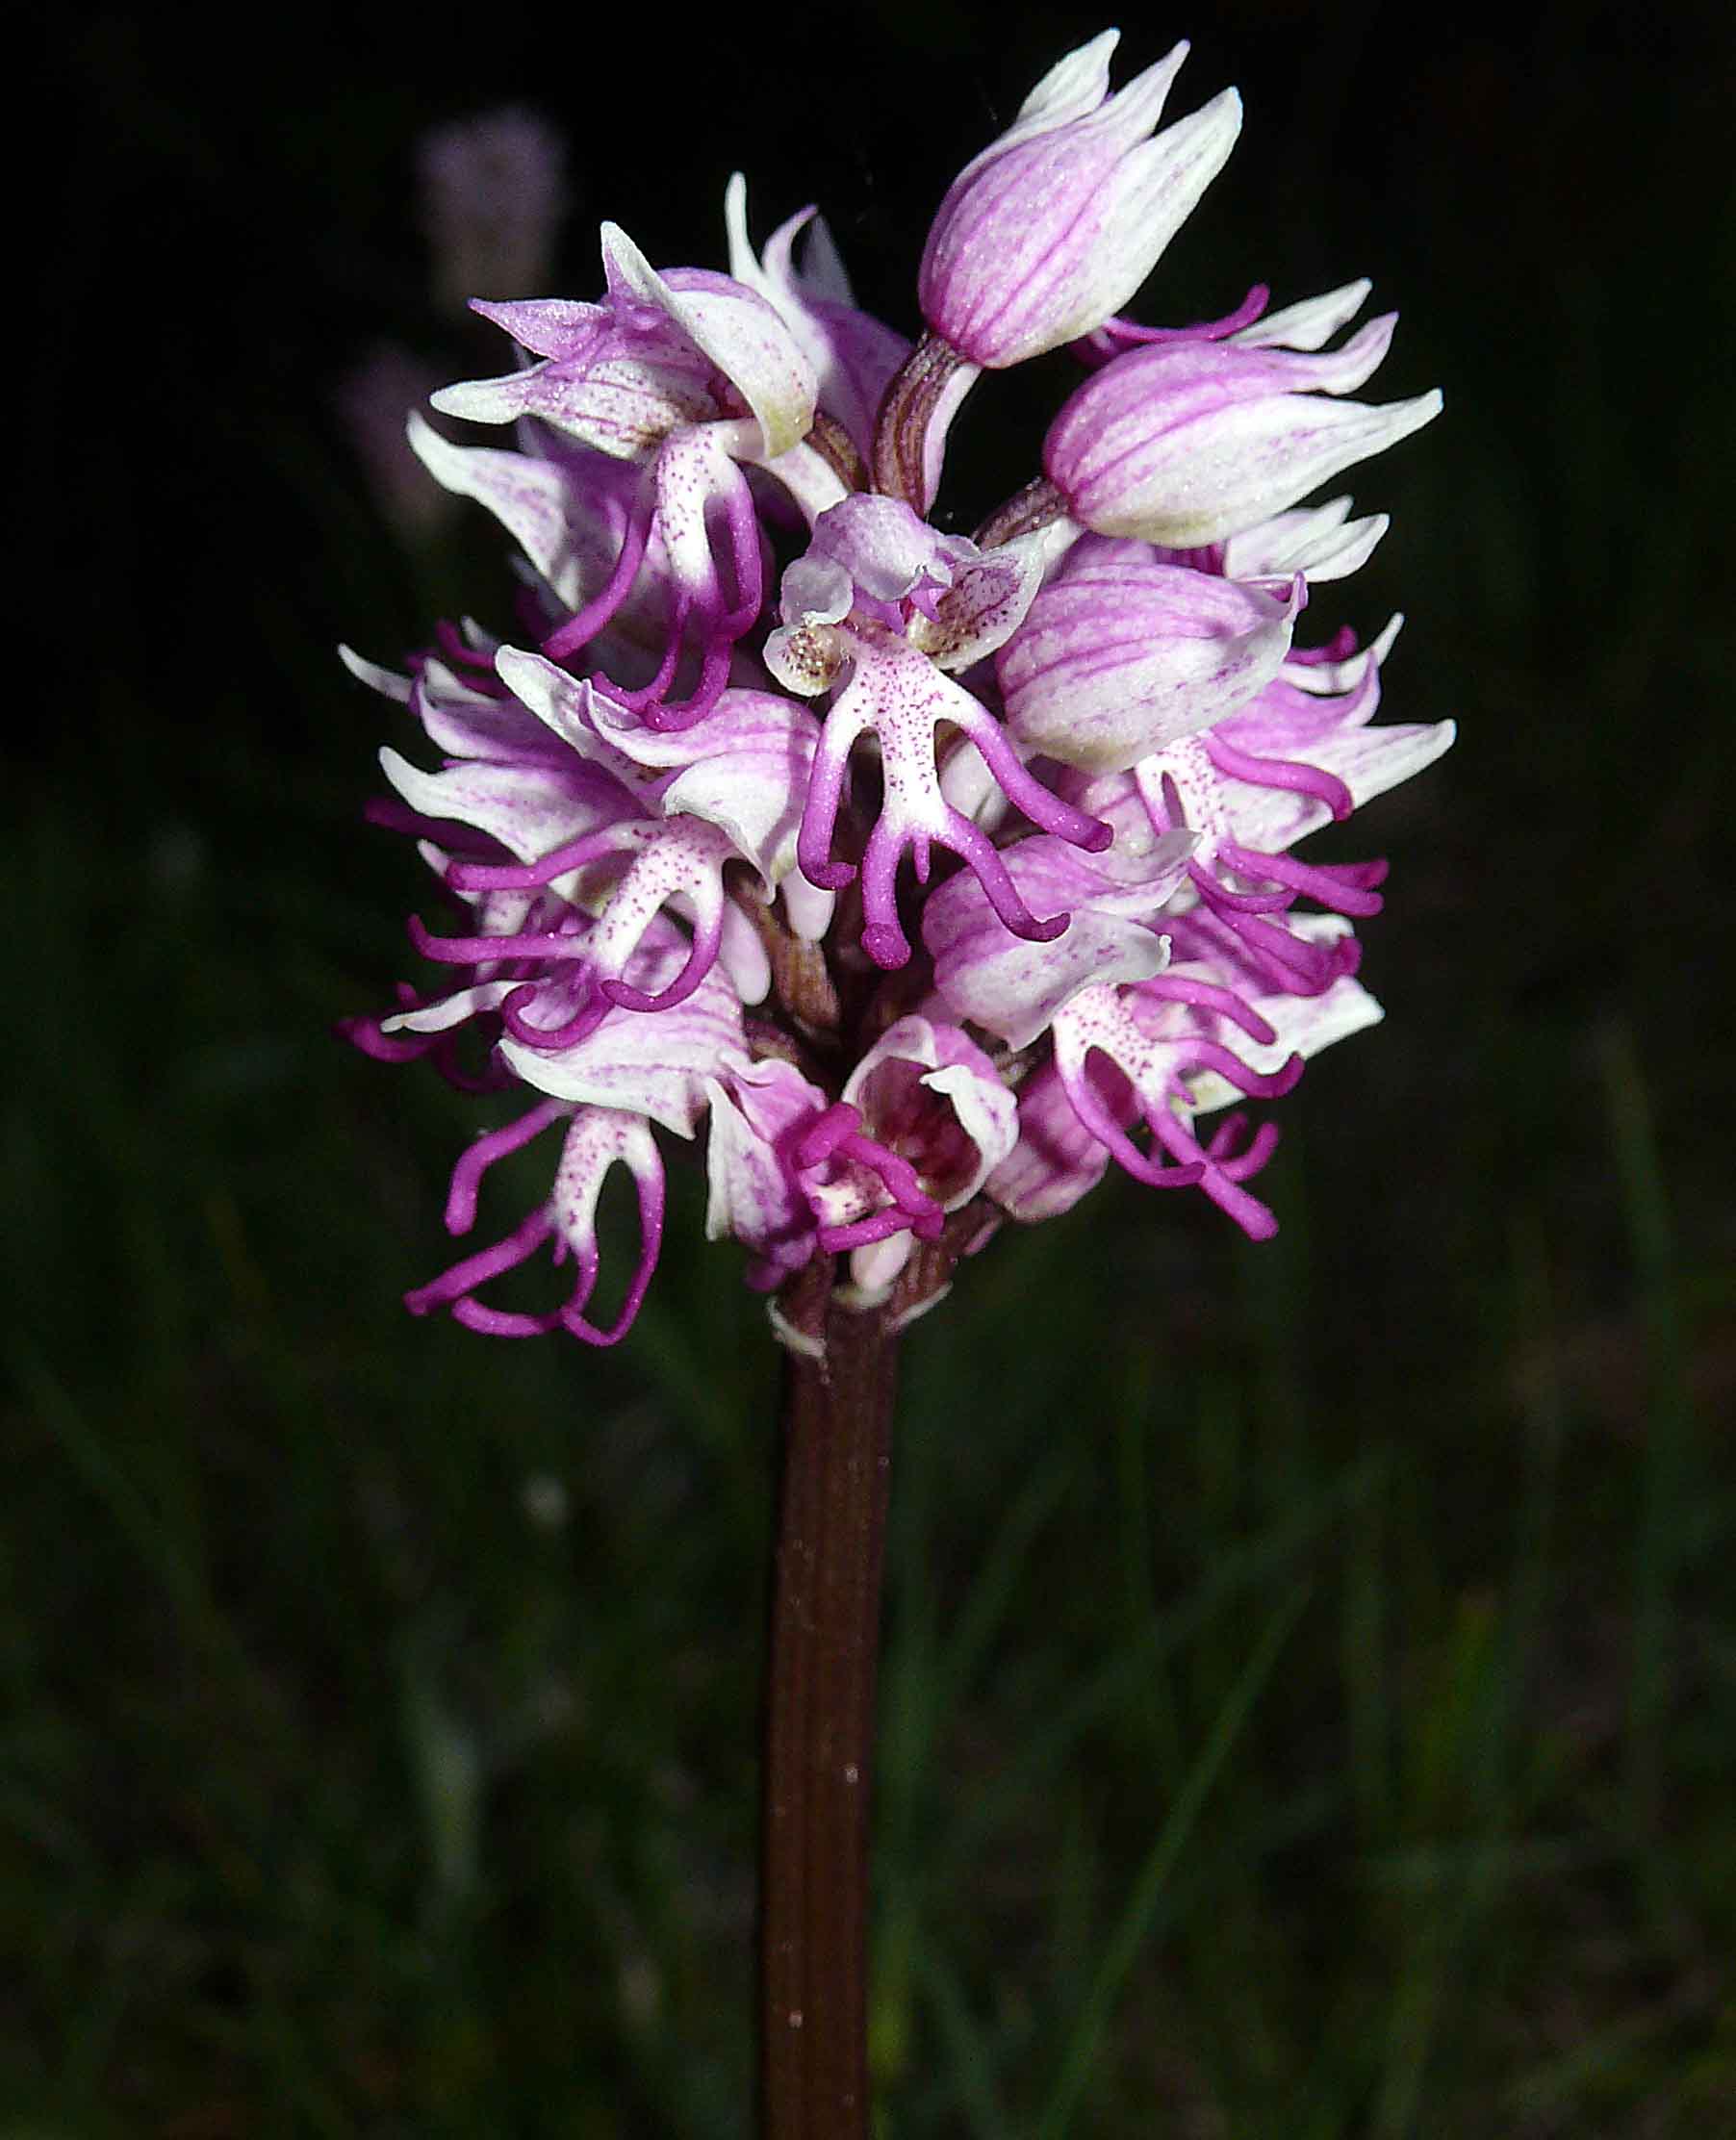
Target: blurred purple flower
[494,195]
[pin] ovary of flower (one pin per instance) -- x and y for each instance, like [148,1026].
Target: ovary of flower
[899,694]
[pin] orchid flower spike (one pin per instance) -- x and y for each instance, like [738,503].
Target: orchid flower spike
[750,676]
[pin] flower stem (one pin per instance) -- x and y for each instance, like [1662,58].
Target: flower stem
[919,403]
[825,1648]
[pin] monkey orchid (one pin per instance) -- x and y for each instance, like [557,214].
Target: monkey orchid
[921,879]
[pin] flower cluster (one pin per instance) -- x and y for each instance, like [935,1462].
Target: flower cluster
[751,680]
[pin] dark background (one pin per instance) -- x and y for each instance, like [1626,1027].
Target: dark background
[1311,1691]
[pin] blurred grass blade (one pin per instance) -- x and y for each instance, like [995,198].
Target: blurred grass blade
[996,1584]
[132,1512]
[1122,1678]
[1666,1518]
[970,2057]
[1129,1936]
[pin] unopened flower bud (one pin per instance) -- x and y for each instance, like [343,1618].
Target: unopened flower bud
[1054,225]
[1121,655]
[1186,443]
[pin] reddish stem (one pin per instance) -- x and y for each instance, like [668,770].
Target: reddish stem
[825,1646]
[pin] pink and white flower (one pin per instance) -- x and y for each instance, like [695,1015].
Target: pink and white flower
[1054,226]
[881,609]
[1193,441]
[752,674]
[1123,653]
[689,376]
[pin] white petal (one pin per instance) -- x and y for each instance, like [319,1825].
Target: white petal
[653,1064]
[386,681]
[450,1011]
[1073,87]
[742,335]
[530,498]
[1309,324]
[1217,477]
[1327,678]
[526,808]
[750,1193]
[1012,987]
[1320,542]
[1305,1026]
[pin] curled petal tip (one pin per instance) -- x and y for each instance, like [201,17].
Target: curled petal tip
[1042,932]
[625,997]
[674,720]
[828,876]
[885,945]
